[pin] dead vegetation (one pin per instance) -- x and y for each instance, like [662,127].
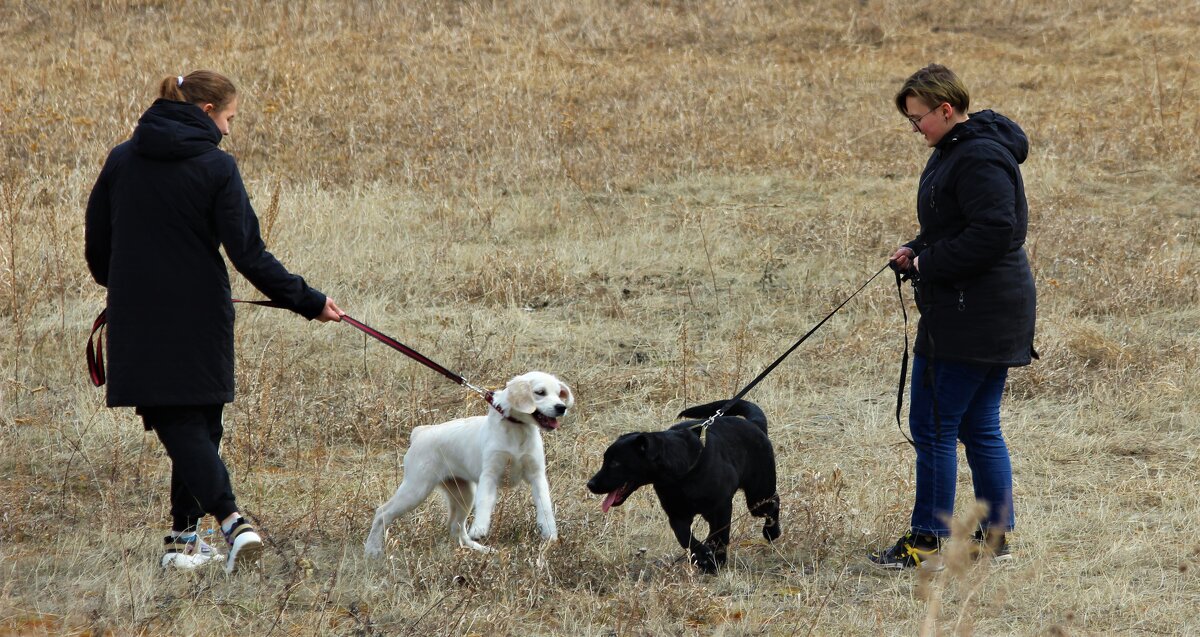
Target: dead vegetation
[673,191]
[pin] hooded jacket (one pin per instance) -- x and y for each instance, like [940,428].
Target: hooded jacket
[164,203]
[975,290]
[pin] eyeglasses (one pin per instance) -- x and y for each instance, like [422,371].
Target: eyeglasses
[914,121]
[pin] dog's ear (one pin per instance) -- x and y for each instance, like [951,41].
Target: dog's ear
[519,394]
[674,452]
[566,395]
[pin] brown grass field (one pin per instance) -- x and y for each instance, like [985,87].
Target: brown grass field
[651,200]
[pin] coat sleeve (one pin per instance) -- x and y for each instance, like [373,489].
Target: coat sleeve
[986,193]
[238,230]
[97,228]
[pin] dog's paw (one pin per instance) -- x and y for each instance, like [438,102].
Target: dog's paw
[706,562]
[476,546]
[478,532]
[771,530]
[549,533]
[373,551]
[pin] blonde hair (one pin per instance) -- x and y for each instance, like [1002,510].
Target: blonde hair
[199,88]
[933,85]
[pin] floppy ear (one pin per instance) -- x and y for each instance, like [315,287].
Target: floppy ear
[676,452]
[566,395]
[519,394]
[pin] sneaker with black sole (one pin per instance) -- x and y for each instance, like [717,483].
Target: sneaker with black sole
[991,544]
[913,550]
[245,546]
[187,552]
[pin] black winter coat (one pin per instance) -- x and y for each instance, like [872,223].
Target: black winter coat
[975,290]
[163,204]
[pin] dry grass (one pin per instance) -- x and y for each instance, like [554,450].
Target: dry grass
[651,200]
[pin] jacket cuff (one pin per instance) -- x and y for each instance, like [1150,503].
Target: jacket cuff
[312,306]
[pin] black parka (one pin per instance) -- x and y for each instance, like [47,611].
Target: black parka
[164,203]
[975,290]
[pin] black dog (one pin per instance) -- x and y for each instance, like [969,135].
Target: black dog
[692,478]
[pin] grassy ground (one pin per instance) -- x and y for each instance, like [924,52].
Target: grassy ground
[652,201]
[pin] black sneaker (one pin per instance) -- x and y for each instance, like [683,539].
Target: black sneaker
[914,550]
[992,545]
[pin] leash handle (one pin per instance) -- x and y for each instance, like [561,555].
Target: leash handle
[95,351]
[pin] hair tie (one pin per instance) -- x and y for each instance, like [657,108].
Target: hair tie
[178,80]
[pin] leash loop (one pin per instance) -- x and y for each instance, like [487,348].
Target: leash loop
[95,351]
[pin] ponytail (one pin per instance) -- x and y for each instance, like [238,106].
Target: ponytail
[169,89]
[199,88]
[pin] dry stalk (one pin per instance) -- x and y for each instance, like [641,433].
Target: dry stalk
[684,362]
[271,214]
[12,203]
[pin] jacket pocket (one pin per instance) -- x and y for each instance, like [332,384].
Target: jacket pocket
[931,295]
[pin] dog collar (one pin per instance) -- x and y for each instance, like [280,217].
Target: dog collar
[491,400]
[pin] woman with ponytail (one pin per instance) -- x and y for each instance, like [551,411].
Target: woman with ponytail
[166,200]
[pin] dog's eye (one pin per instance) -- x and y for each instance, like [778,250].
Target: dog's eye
[540,392]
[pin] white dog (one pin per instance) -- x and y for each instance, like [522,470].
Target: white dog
[468,459]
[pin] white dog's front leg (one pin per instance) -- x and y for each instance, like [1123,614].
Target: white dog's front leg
[485,501]
[545,508]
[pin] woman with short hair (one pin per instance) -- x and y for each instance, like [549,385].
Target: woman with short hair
[976,295]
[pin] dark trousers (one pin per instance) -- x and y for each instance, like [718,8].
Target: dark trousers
[199,480]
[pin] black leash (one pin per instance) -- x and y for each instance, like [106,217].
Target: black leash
[901,277]
[703,426]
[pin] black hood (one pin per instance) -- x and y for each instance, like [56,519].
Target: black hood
[174,130]
[994,126]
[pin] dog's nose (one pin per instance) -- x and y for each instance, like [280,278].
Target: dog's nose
[560,409]
[591,485]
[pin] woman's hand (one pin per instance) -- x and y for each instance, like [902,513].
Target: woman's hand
[331,312]
[904,258]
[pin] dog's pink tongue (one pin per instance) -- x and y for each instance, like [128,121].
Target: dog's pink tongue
[609,499]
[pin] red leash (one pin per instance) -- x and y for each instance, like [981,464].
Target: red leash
[95,351]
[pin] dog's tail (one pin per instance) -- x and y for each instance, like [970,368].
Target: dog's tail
[743,408]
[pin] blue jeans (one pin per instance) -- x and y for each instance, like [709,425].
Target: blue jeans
[968,409]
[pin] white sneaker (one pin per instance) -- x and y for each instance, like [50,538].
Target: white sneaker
[245,546]
[187,552]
